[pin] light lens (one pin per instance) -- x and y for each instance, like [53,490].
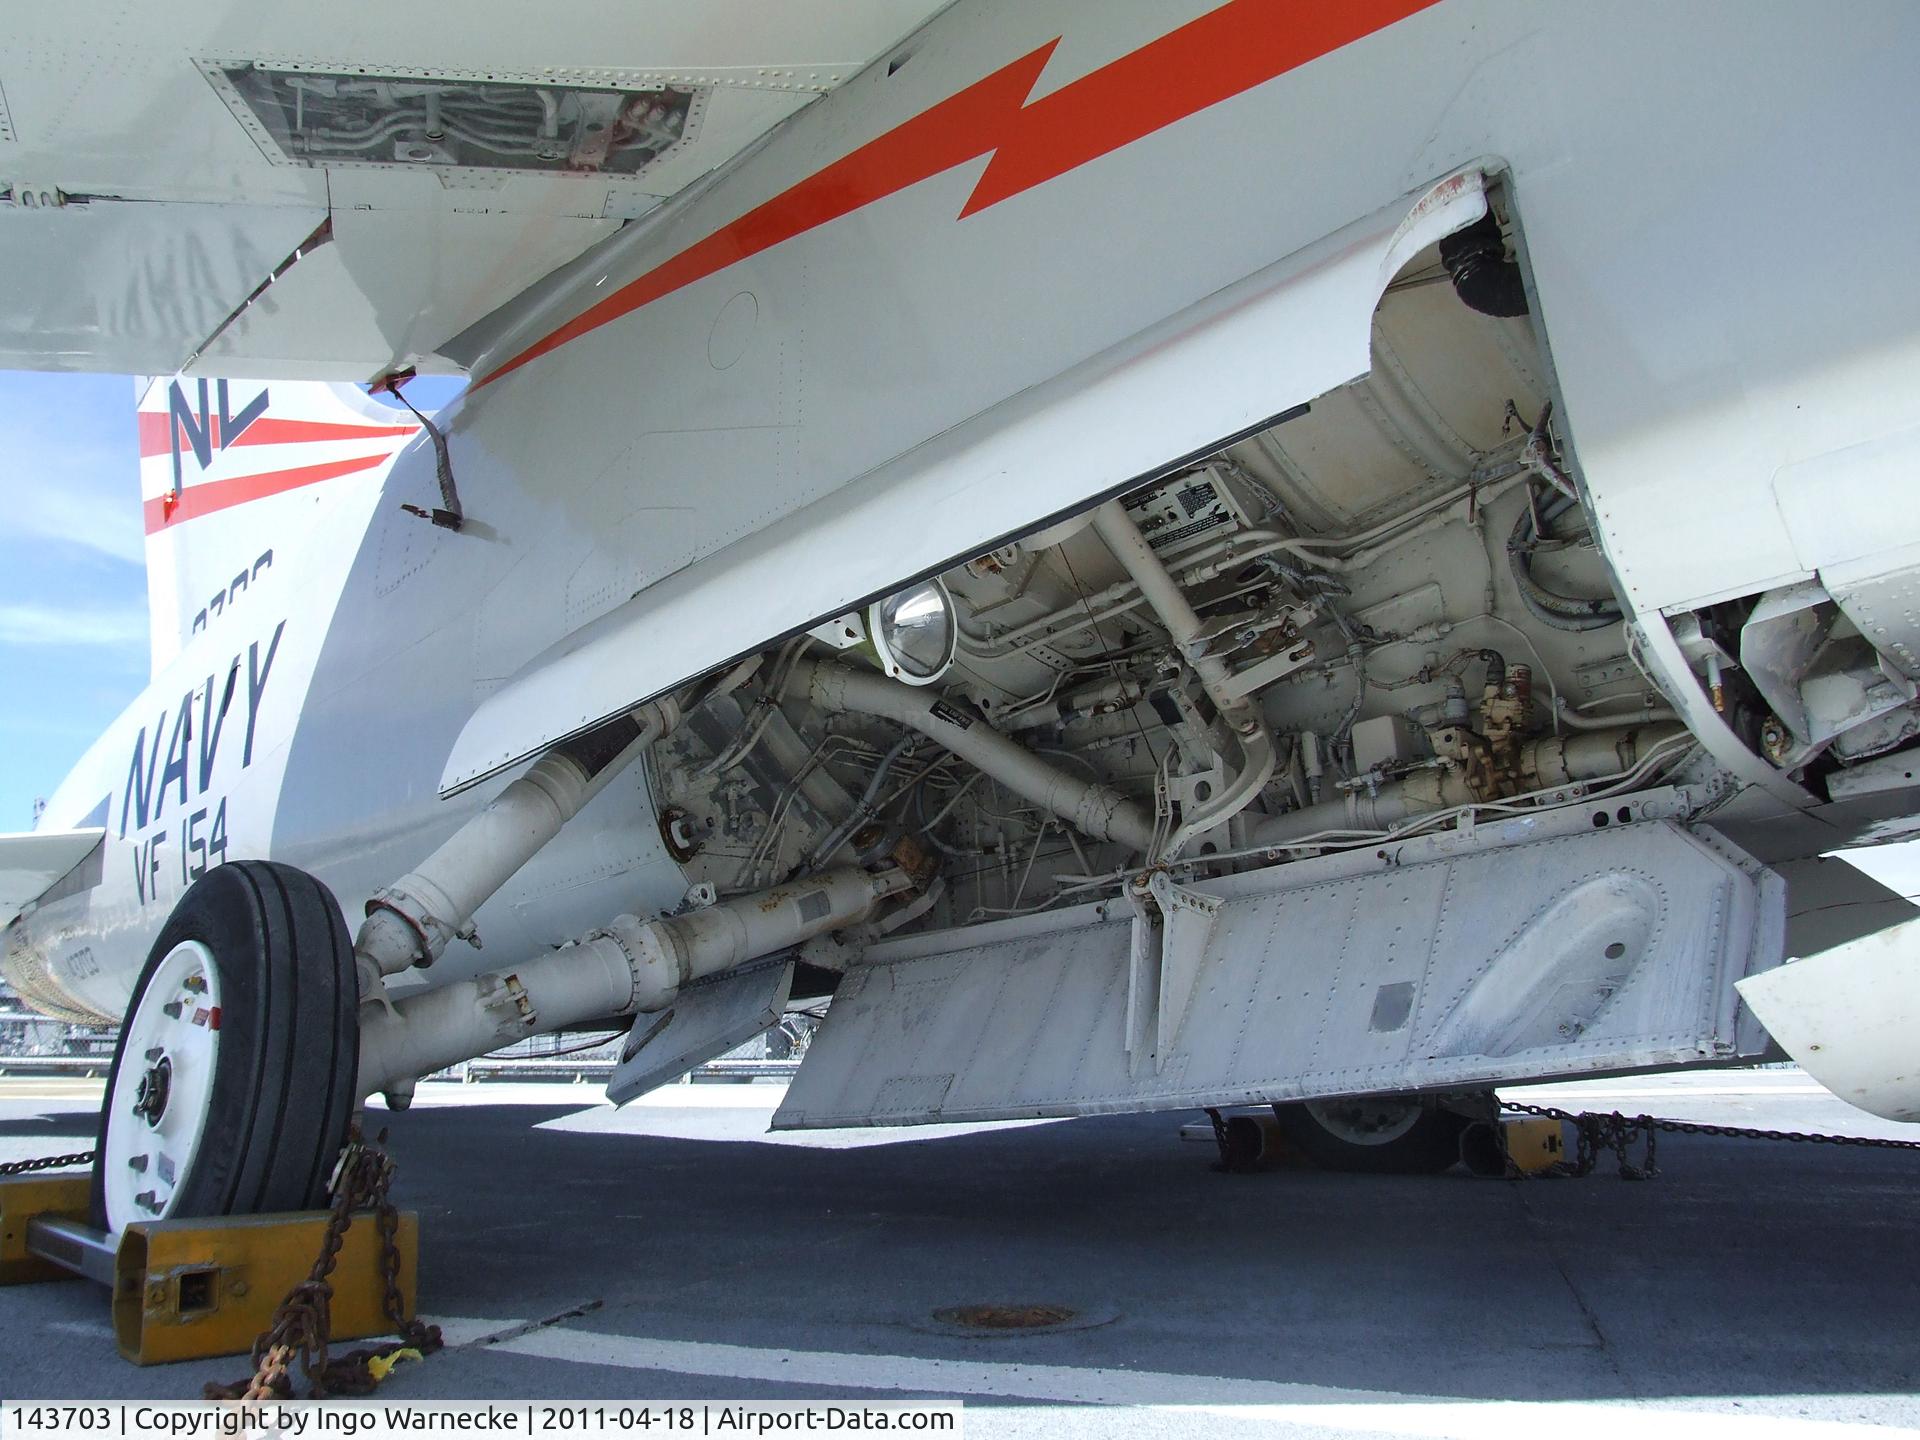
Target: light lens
[916,631]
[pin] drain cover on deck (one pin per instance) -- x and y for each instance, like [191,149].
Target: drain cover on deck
[1005,1317]
[1008,1322]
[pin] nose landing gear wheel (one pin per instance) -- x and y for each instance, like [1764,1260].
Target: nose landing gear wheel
[232,1085]
[1374,1134]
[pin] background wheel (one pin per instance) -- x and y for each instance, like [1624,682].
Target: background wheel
[1374,1134]
[232,1085]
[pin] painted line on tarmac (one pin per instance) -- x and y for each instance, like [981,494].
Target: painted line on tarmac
[23,1087]
[1325,1407]
[1669,1092]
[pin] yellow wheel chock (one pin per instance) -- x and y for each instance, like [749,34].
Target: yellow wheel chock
[193,1289]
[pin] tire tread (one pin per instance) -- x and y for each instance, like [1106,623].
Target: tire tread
[289,996]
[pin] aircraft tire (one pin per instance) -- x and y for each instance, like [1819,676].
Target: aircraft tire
[1374,1134]
[233,1081]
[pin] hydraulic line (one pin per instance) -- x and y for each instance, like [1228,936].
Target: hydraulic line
[864,807]
[1091,808]
[760,713]
[1564,612]
[1164,595]
[1641,715]
[1220,557]
[1176,612]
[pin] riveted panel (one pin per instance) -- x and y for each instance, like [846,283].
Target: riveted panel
[1581,952]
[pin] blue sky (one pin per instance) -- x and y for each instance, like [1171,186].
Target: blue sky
[73,589]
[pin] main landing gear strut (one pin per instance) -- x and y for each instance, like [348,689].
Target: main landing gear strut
[258,1028]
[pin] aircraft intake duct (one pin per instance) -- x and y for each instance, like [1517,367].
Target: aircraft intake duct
[412,921]
[631,965]
[1094,809]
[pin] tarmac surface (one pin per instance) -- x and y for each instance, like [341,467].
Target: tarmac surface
[675,1249]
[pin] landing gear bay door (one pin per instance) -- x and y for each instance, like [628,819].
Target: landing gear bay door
[1524,950]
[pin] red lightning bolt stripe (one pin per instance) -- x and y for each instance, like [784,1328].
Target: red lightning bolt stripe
[949,134]
[1223,53]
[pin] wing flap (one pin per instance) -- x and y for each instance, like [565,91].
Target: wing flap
[33,863]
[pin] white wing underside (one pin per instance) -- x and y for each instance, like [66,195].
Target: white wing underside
[214,244]
[34,863]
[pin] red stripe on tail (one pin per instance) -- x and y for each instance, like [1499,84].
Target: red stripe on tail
[155,439]
[215,495]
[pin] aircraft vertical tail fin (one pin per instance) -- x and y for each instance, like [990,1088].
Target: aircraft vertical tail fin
[231,472]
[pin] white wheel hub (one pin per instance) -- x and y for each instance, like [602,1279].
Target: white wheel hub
[1366,1119]
[157,1110]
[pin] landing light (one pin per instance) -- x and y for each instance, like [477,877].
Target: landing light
[915,632]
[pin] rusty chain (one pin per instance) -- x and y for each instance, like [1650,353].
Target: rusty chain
[302,1323]
[1618,1133]
[1220,1138]
[1592,1134]
[46,1162]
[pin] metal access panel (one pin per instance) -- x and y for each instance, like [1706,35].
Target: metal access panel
[1452,963]
[707,1019]
[301,115]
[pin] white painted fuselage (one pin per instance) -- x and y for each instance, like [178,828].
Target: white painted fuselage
[1044,251]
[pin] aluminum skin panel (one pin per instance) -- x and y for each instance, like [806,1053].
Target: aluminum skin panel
[1588,952]
[134,287]
[113,101]
[1884,605]
[394,283]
